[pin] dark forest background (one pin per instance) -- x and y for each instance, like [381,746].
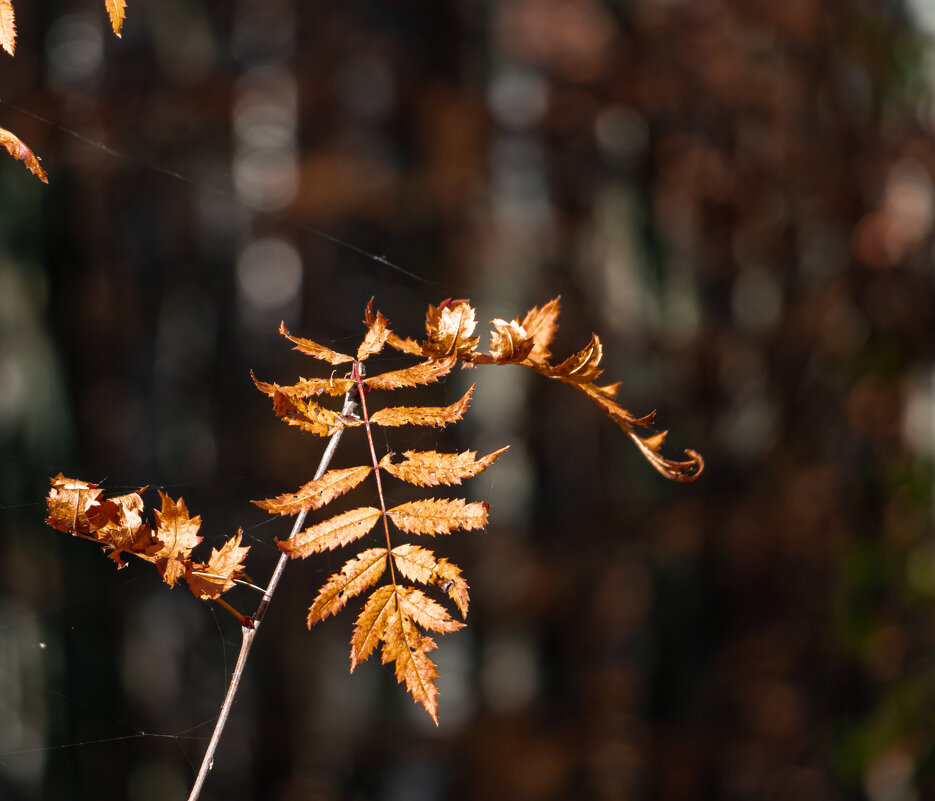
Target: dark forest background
[737,195]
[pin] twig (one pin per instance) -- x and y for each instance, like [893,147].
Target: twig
[248,632]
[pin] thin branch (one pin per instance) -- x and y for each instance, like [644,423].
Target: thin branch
[248,632]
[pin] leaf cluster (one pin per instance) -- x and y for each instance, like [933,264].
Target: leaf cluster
[76,507]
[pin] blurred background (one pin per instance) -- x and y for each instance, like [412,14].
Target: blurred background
[737,195]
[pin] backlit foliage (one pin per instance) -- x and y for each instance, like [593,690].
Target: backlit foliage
[399,615]
[116,10]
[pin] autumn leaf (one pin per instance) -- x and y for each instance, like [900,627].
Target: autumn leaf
[359,573]
[7,26]
[405,645]
[211,579]
[449,328]
[426,612]
[306,387]
[429,469]
[419,564]
[440,516]
[117,10]
[332,533]
[177,534]
[371,623]
[68,502]
[541,324]
[310,348]
[375,339]
[509,342]
[310,416]
[436,416]
[16,148]
[426,372]
[317,493]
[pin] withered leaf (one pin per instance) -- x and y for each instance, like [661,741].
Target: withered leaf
[332,533]
[375,339]
[68,502]
[438,516]
[580,367]
[306,387]
[310,416]
[426,372]
[177,534]
[214,577]
[317,493]
[310,348]
[449,328]
[423,415]
[429,469]
[405,645]
[7,26]
[371,623]
[419,564]
[359,573]
[118,523]
[509,342]
[426,612]
[16,148]
[541,325]
[117,10]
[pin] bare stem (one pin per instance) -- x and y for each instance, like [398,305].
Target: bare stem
[248,632]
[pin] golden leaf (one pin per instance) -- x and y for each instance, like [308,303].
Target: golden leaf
[429,469]
[426,612]
[449,328]
[7,26]
[579,368]
[332,533]
[375,339]
[117,9]
[419,564]
[541,325]
[177,534]
[357,575]
[405,645]
[371,623]
[509,342]
[216,576]
[317,493]
[306,387]
[311,416]
[16,148]
[310,348]
[68,502]
[423,415]
[440,516]
[426,372]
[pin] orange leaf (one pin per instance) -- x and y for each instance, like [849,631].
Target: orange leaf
[18,150]
[357,575]
[211,579]
[422,373]
[405,645]
[306,387]
[117,9]
[509,342]
[449,328]
[438,516]
[426,612]
[332,533]
[7,26]
[316,493]
[579,368]
[429,469]
[177,534]
[419,564]
[310,416]
[69,501]
[118,522]
[310,348]
[423,415]
[375,339]
[541,324]
[371,623]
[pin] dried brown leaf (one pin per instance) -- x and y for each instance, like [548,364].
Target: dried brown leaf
[216,576]
[441,516]
[177,534]
[509,342]
[423,415]
[579,368]
[449,328]
[375,339]
[68,502]
[7,26]
[405,645]
[16,148]
[359,573]
[371,623]
[429,469]
[332,533]
[311,416]
[426,612]
[306,387]
[317,493]
[310,348]
[541,325]
[426,372]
